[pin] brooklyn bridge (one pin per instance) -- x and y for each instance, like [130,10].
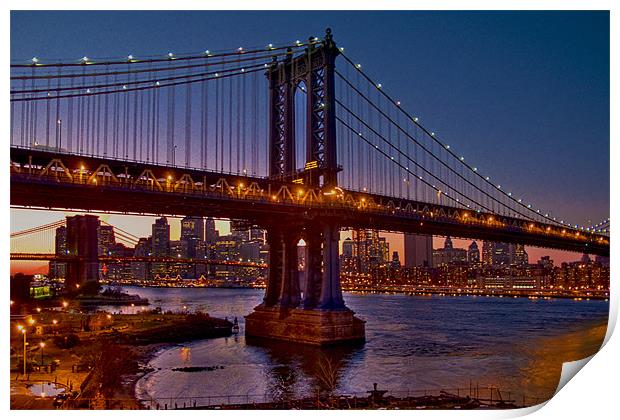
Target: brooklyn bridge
[295,139]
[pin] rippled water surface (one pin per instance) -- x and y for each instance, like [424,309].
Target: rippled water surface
[413,342]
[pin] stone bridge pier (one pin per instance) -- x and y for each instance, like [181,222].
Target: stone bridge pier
[317,314]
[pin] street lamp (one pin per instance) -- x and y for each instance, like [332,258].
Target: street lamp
[23,331]
[55,322]
[65,304]
[42,345]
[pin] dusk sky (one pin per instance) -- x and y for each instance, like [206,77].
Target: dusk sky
[523,95]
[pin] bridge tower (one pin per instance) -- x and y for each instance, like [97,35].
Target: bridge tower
[83,267]
[317,314]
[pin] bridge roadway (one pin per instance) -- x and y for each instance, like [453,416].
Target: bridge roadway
[53,179]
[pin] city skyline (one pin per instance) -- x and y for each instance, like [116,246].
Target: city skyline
[141,226]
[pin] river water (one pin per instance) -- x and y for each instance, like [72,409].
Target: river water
[412,343]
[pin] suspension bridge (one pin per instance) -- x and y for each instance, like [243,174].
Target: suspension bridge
[44,237]
[276,135]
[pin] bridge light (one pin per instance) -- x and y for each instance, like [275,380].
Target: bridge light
[130,58]
[240,49]
[531,225]
[487,178]
[270,46]
[207,53]
[499,187]
[415,119]
[462,158]
[273,197]
[156,83]
[298,42]
[35,60]
[170,56]
[398,103]
[341,49]
[378,85]
[217,75]
[433,134]
[84,60]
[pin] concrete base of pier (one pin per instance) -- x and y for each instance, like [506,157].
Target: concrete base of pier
[309,326]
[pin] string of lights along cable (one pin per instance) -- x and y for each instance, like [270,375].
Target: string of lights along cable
[211,111]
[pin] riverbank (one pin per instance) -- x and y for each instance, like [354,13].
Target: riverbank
[104,362]
[544,294]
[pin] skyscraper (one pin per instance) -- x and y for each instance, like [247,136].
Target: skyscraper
[210,233]
[520,255]
[496,253]
[194,227]
[501,254]
[105,240]
[418,250]
[59,269]
[473,253]
[160,244]
[347,248]
[192,234]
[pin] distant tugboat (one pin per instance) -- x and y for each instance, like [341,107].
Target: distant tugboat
[235,327]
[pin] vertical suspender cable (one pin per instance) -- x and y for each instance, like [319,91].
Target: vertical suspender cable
[217,123]
[188,125]
[230,124]
[47,117]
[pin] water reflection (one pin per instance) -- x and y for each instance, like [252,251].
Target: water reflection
[297,369]
[412,343]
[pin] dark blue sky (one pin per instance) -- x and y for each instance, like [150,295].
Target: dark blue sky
[524,96]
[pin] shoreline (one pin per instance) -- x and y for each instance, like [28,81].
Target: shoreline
[539,294]
[575,342]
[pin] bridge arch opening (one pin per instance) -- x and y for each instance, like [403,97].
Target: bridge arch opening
[300,123]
